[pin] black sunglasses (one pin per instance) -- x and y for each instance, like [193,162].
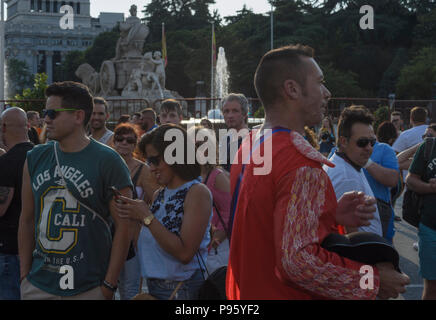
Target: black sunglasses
[52,113]
[154,160]
[129,140]
[363,142]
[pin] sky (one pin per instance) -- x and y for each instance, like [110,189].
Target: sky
[225,7]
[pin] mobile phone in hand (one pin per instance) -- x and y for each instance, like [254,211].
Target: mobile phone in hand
[117,194]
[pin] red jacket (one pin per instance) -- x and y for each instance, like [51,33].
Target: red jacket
[281,218]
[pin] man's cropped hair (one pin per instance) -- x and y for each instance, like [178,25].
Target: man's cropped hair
[171,105]
[31,114]
[351,115]
[277,66]
[238,97]
[74,95]
[151,112]
[418,115]
[100,100]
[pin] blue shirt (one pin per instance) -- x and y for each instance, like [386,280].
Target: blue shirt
[384,155]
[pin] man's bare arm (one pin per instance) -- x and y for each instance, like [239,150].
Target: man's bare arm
[385,176]
[26,229]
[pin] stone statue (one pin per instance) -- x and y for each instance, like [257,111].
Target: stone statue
[133,34]
[89,77]
[160,68]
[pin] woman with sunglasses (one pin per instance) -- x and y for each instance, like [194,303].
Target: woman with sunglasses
[125,141]
[174,237]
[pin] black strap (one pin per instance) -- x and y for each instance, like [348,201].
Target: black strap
[135,180]
[216,209]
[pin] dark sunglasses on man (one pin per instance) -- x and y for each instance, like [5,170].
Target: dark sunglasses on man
[52,113]
[129,140]
[363,142]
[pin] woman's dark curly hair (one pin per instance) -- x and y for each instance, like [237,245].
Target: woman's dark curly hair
[156,138]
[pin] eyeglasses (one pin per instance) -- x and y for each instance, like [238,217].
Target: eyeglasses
[363,142]
[154,160]
[129,140]
[52,113]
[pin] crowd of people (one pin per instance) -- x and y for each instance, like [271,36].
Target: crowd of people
[113,207]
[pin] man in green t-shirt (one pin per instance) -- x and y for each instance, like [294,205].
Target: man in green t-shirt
[422,180]
[66,247]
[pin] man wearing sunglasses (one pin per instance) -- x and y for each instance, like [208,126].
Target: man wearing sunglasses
[67,208]
[355,145]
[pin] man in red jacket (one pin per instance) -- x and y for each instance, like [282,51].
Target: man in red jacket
[282,216]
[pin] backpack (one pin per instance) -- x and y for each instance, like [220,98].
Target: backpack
[412,201]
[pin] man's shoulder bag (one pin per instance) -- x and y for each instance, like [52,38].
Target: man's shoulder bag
[412,201]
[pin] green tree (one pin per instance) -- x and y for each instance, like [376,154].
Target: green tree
[380,115]
[18,76]
[37,94]
[417,78]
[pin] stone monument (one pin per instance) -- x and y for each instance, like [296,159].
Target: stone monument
[130,74]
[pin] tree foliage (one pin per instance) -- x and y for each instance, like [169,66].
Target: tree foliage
[37,92]
[18,76]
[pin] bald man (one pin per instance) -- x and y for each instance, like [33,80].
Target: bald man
[14,128]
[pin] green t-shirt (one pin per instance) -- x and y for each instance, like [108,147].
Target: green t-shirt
[66,233]
[418,167]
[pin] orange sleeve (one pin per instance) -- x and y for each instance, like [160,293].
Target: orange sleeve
[298,231]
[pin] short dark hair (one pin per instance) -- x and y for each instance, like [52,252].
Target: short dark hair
[124,118]
[74,95]
[155,138]
[351,115]
[278,65]
[31,114]
[386,132]
[418,114]
[150,111]
[397,113]
[100,100]
[171,105]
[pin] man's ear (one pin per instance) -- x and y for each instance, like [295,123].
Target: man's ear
[292,89]
[343,142]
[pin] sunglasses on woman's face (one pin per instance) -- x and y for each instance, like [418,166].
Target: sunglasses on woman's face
[363,142]
[129,140]
[153,160]
[52,113]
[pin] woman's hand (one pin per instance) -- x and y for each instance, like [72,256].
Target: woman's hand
[132,209]
[355,209]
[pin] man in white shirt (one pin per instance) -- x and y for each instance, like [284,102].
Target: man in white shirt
[412,136]
[99,116]
[356,141]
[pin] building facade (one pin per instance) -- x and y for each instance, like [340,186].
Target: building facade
[33,32]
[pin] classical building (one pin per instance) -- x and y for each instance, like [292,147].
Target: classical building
[33,31]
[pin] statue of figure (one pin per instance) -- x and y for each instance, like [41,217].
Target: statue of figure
[89,77]
[160,68]
[157,75]
[132,31]
[135,84]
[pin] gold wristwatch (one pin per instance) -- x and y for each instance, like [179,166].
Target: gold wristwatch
[147,220]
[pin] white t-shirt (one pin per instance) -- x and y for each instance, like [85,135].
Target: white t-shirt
[345,178]
[408,139]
